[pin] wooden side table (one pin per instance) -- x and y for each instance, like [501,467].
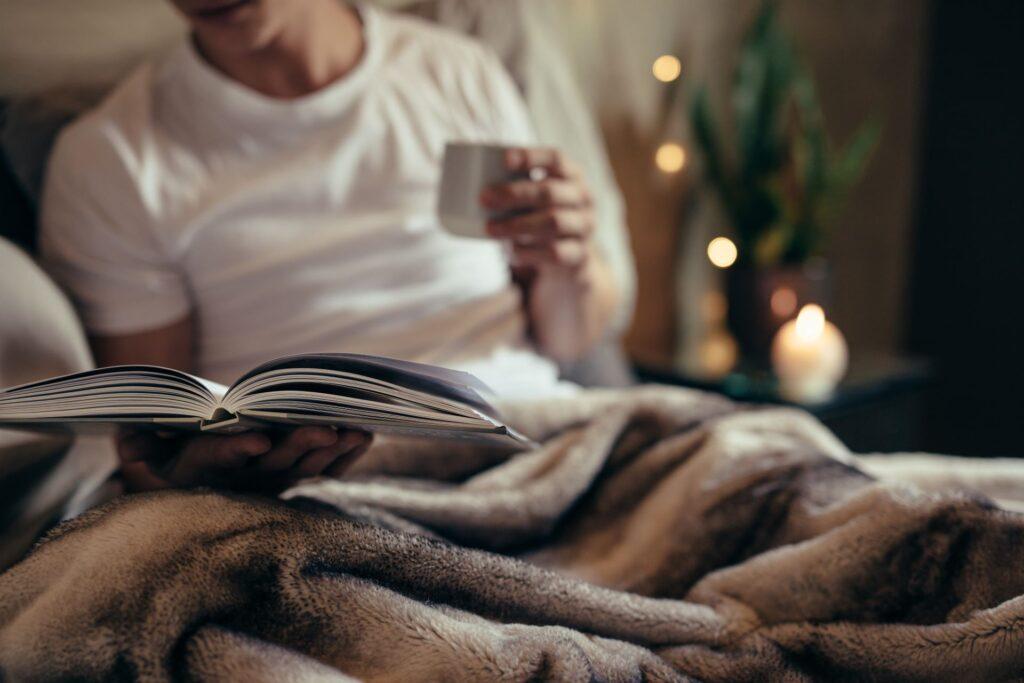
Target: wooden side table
[878,407]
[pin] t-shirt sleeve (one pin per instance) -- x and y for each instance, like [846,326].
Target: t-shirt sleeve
[97,242]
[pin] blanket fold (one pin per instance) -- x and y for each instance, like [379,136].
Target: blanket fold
[657,534]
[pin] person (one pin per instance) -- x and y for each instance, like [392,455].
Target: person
[269,188]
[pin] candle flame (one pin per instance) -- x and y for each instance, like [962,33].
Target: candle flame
[810,322]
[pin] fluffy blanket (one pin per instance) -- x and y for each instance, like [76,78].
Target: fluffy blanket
[658,534]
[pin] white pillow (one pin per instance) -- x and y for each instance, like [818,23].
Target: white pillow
[40,336]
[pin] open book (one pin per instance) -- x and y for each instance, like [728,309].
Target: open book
[340,389]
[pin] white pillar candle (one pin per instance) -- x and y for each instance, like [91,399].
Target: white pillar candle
[809,356]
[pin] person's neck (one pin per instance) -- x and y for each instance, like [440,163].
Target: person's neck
[317,49]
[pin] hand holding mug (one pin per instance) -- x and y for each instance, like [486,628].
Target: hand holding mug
[545,211]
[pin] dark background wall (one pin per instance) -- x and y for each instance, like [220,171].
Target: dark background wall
[967,283]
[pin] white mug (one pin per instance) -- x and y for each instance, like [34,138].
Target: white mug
[468,168]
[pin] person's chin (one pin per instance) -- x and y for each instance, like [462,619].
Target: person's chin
[224,12]
[237,20]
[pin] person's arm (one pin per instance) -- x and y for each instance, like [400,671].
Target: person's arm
[574,291]
[170,346]
[571,303]
[251,460]
[571,294]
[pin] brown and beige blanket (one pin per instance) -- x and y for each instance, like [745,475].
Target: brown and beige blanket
[658,534]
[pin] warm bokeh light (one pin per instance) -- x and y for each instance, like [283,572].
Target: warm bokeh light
[810,322]
[718,354]
[671,157]
[722,252]
[783,302]
[667,68]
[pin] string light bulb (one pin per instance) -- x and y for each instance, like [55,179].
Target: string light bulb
[670,157]
[722,252]
[666,68]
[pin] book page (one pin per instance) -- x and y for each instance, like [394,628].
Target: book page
[441,382]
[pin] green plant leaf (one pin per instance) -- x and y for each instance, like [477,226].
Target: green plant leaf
[787,182]
[708,139]
[773,244]
[761,83]
[810,157]
[846,170]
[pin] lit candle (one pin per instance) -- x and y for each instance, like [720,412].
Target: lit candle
[809,356]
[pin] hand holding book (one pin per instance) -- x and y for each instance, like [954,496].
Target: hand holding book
[248,461]
[295,417]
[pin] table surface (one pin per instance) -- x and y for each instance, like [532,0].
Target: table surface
[870,378]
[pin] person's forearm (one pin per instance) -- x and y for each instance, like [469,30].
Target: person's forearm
[570,309]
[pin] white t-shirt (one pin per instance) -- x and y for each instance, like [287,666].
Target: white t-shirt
[295,226]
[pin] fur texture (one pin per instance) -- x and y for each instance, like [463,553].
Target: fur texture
[658,534]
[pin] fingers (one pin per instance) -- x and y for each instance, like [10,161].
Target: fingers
[333,459]
[345,461]
[571,254]
[140,446]
[139,476]
[543,226]
[557,237]
[293,446]
[150,460]
[525,159]
[229,452]
[249,461]
[530,194]
[553,219]
[206,457]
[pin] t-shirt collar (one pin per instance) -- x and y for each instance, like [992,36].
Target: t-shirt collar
[236,100]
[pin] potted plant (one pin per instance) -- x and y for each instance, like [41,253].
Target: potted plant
[781,183]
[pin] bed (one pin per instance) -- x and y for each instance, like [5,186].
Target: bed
[656,534]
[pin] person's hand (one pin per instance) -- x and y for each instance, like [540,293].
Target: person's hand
[552,215]
[248,461]
[547,215]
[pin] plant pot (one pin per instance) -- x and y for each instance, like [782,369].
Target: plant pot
[760,300]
